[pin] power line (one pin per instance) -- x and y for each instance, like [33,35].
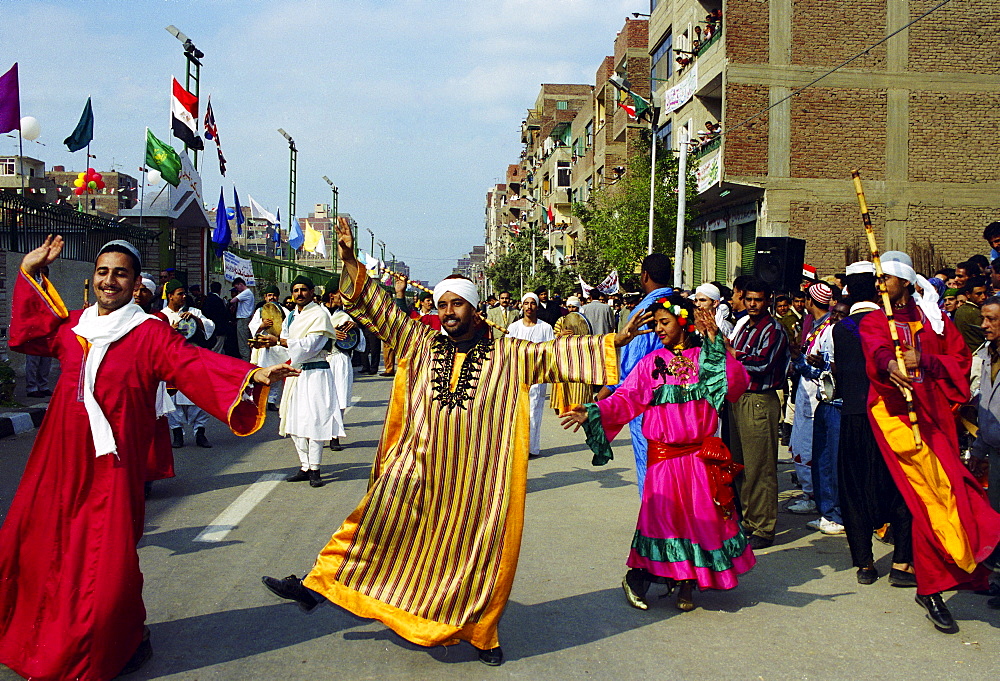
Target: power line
[834,69]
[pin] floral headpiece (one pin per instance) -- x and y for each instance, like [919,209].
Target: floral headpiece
[679,312]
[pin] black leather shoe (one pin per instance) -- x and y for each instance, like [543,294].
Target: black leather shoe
[315,480]
[291,589]
[758,542]
[492,657]
[140,656]
[271,406]
[178,438]
[299,476]
[994,603]
[902,578]
[992,561]
[635,587]
[938,613]
[867,575]
[200,439]
[335,445]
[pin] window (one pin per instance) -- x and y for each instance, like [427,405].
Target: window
[545,184]
[7,166]
[562,105]
[562,174]
[663,61]
[589,130]
[666,134]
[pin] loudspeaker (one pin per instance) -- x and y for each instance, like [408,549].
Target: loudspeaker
[779,262]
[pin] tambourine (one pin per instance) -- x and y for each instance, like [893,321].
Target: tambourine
[187,327]
[351,342]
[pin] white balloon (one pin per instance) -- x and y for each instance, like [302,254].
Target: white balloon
[30,129]
[154,176]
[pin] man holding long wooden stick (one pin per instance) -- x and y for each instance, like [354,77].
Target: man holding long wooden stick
[955,532]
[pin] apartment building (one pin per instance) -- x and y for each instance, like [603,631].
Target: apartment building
[915,115]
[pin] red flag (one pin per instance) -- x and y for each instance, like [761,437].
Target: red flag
[184,117]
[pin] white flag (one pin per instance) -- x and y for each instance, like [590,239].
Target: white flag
[321,245]
[258,211]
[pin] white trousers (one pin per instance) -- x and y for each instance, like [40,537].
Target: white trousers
[310,452]
[187,415]
[536,407]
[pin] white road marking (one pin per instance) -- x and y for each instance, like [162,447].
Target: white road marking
[227,521]
[354,400]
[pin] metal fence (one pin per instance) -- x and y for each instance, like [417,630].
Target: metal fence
[272,270]
[24,224]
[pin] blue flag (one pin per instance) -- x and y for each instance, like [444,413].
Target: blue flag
[295,236]
[277,229]
[221,236]
[239,213]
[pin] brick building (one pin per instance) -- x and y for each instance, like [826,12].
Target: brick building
[576,139]
[121,191]
[916,115]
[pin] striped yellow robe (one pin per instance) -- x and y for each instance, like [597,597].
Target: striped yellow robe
[432,549]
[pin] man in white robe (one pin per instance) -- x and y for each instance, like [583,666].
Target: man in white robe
[185,413]
[531,328]
[340,360]
[272,355]
[310,411]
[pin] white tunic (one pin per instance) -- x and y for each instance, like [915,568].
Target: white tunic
[539,333]
[265,357]
[180,399]
[309,404]
[340,362]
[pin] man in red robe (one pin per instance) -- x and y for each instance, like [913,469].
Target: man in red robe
[70,586]
[955,531]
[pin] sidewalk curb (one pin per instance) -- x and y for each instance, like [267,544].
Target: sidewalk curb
[17,422]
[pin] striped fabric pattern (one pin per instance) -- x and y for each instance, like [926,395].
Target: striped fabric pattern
[437,536]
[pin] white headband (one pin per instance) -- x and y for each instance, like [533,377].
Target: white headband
[148,283]
[460,287]
[531,295]
[710,291]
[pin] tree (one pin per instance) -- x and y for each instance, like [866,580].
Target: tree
[616,217]
[512,270]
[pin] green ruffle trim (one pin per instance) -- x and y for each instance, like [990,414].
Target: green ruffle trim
[711,385]
[682,550]
[596,439]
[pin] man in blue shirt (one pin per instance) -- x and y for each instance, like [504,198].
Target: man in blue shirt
[656,272]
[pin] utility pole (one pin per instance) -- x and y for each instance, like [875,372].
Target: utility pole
[292,174]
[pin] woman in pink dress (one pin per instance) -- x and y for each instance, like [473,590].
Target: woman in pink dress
[687,533]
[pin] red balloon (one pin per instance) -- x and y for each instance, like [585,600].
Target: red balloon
[100,184]
[78,190]
[97,177]
[91,171]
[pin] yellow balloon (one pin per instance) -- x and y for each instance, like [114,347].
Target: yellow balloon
[78,182]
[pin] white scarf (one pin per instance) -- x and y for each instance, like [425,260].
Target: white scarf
[926,297]
[101,331]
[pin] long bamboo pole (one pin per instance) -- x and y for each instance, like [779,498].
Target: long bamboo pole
[886,305]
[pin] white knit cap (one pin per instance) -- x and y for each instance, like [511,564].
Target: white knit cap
[573,300]
[710,291]
[860,267]
[530,295]
[150,284]
[460,287]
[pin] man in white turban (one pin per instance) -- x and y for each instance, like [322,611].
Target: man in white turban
[432,548]
[530,328]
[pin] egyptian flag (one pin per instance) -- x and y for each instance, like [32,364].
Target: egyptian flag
[184,117]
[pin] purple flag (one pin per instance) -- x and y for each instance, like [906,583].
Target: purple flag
[10,101]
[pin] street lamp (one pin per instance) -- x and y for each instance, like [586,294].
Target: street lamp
[193,56]
[336,211]
[292,173]
[382,246]
[373,240]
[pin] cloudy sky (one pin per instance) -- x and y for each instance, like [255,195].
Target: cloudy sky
[412,107]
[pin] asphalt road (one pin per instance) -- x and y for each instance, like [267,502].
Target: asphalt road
[799,614]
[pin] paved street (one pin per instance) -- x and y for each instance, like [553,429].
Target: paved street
[799,614]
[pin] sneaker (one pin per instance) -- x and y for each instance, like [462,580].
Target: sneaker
[814,524]
[803,506]
[830,527]
[299,476]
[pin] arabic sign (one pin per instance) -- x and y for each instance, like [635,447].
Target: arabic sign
[236,266]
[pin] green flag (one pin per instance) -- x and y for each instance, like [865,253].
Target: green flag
[163,157]
[641,106]
[84,132]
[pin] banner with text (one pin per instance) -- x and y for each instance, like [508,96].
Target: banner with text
[236,266]
[678,95]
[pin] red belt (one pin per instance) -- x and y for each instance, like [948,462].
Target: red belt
[719,465]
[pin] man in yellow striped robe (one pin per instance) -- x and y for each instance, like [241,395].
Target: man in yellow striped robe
[432,548]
